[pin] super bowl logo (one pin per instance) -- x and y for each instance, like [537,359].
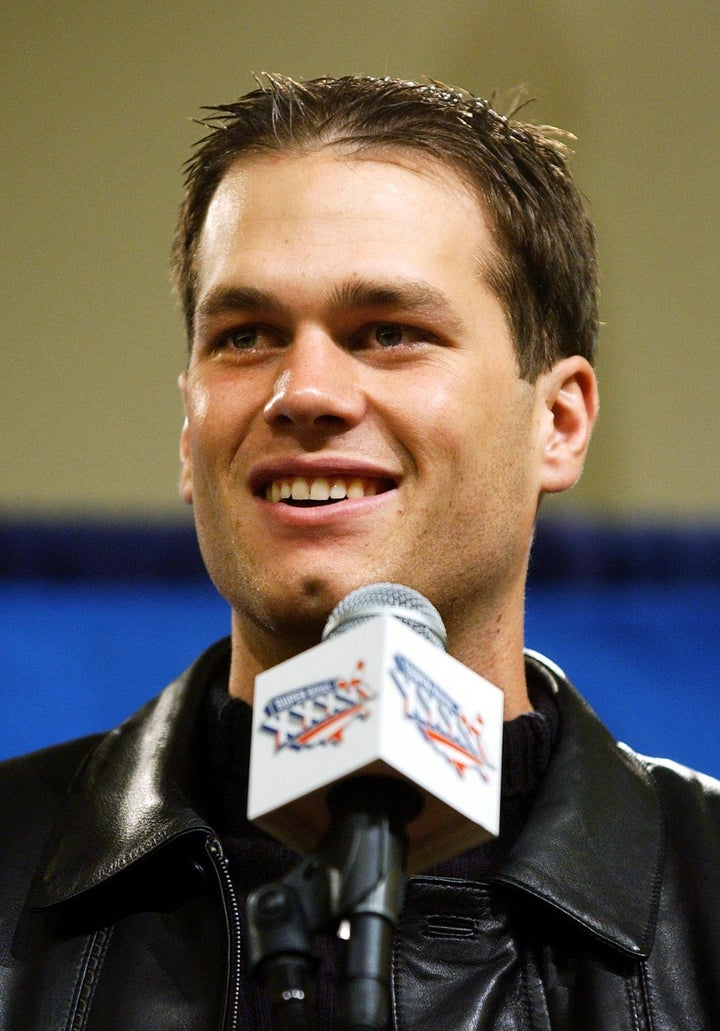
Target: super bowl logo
[443,724]
[319,713]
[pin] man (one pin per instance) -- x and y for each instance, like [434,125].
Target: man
[390,293]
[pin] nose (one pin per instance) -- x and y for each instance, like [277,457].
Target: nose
[317,389]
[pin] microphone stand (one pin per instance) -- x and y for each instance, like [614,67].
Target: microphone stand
[357,874]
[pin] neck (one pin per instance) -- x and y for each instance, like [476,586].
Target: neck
[256,649]
[490,643]
[495,652]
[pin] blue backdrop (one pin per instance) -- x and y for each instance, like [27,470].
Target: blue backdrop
[98,618]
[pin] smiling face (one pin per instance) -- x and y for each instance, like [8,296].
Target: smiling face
[354,411]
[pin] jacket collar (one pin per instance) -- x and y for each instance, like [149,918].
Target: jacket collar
[137,791]
[591,848]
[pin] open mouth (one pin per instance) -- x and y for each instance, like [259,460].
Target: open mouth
[308,491]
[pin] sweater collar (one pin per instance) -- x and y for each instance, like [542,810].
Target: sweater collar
[591,847]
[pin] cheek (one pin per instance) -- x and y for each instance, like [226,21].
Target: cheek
[486,438]
[198,404]
[433,409]
[220,417]
[424,428]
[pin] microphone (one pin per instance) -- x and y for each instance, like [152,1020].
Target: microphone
[378,696]
[374,752]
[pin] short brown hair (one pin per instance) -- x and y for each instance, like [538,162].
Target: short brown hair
[546,270]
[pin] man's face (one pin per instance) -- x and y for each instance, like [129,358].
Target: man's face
[354,412]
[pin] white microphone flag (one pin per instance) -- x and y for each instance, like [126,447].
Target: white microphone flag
[377,699]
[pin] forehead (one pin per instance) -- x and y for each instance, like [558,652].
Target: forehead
[392,201]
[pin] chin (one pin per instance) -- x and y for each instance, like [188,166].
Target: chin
[307,603]
[318,595]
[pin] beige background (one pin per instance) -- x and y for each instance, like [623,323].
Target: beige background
[96,100]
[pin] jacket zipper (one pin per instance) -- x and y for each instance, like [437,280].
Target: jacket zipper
[92,966]
[232,913]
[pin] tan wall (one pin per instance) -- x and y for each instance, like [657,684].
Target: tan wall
[95,102]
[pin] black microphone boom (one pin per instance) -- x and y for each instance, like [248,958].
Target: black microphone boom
[357,875]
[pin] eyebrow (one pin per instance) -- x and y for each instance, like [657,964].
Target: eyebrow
[417,297]
[414,296]
[226,300]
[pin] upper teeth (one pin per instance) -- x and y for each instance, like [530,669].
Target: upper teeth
[319,488]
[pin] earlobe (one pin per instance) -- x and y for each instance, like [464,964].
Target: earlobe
[571,404]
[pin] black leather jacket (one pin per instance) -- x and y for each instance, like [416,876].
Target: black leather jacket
[118,913]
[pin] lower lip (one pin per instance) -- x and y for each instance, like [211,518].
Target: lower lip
[322,515]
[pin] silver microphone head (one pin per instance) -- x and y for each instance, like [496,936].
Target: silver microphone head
[384,599]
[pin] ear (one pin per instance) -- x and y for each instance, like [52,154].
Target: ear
[568,394]
[185,482]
